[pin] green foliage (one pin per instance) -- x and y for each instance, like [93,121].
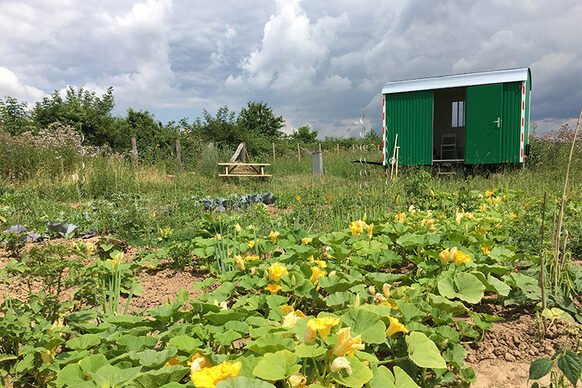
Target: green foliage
[258,117]
[84,111]
[15,118]
[304,134]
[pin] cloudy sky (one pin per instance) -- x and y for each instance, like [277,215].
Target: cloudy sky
[317,62]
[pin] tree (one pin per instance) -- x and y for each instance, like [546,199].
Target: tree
[82,110]
[14,116]
[258,118]
[221,129]
[304,134]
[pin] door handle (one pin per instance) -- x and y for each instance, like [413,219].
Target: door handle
[498,122]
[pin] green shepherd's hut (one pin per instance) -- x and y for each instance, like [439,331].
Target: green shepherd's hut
[477,118]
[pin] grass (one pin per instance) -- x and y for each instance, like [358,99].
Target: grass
[135,202]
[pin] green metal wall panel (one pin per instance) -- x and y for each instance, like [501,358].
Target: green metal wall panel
[411,116]
[511,128]
[484,107]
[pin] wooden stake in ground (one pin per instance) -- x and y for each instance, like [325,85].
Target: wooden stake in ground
[179,155]
[273,152]
[298,153]
[337,148]
[319,147]
[134,150]
[561,216]
[543,265]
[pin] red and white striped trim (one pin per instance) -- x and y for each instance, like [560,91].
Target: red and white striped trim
[383,130]
[522,126]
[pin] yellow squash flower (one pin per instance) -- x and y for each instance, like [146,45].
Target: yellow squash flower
[341,363]
[290,319]
[513,215]
[306,240]
[395,327]
[276,271]
[252,243]
[321,263]
[386,290]
[251,258]
[485,250]
[240,262]
[320,325]
[357,227]
[273,236]
[198,362]
[458,217]
[298,198]
[237,228]
[447,255]
[113,262]
[488,193]
[345,344]
[286,309]
[172,361]
[461,258]
[218,237]
[273,288]
[209,377]
[370,229]
[316,272]
[297,380]
[400,217]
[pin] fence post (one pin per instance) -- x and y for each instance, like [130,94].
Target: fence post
[273,151]
[337,148]
[298,153]
[134,150]
[319,147]
[179,155]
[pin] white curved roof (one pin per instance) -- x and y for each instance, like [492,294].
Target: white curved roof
[459,80]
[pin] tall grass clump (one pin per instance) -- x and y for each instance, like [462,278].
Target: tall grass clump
[210,156]
[52,152]
[108,175]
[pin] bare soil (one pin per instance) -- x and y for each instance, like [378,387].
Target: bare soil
[501,359]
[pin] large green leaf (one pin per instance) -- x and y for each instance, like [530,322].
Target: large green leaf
[162,376]
[269,343]
[539,368]
[360,375]
[464,286]
[277,366]
[365,323]
[383,378]
[402,379]
[309,351]
[83,342]
[423,352]
[150,358]
[569,364]
[185,343]
[70,375]
[137,343]
[470,289]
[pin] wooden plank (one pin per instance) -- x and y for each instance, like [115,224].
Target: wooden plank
[249,175]
[244,164]
[237,152]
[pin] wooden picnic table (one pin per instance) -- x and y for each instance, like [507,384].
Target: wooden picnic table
[244,169]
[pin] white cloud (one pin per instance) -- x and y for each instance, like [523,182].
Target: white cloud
[11,86]
[315,63]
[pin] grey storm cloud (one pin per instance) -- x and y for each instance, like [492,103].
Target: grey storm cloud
[315,62]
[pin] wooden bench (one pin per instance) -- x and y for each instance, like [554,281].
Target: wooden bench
[244,170]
